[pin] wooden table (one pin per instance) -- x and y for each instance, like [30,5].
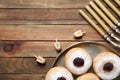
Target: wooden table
[30,27]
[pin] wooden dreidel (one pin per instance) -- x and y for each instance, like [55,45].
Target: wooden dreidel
[57,46]
[40,59]
[78,34]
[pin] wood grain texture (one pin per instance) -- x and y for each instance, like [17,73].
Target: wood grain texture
[43,16]
[43,22]
[46,32]
[43,3]
[24,66]
[25,77]
[22,77]
[29,49]
[39,14]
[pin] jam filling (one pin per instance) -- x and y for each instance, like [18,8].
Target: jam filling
[61,78]
[108,67]
[78,62]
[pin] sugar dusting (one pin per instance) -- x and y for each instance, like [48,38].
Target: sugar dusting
[81,54]
[108,75]
[57,72]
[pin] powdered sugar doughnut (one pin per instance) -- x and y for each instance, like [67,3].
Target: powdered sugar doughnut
[78,61]
[107,65]
[59,73]
[88,76]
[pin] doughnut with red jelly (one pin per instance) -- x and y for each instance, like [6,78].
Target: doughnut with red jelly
[59,73]
[78,61]
[107,65]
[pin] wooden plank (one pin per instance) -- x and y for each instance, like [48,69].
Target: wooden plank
[43,3]
[22,77]
[29,49]
[46,32]
[39,14]
[24,66]
[43,22]
[43,16]
[25,77]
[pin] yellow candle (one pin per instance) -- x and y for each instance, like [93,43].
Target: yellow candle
[92,23]
[117,1]
[112,7]
[106,11]
[94,6]
[97,18]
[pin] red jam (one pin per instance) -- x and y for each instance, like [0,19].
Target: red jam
[61,78]
[108,67]
[78,62]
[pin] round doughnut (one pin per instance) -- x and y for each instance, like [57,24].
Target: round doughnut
[88,76]
[78,61]
[58,73]
[107,65]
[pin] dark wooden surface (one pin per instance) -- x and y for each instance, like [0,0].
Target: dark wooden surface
[29,27]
